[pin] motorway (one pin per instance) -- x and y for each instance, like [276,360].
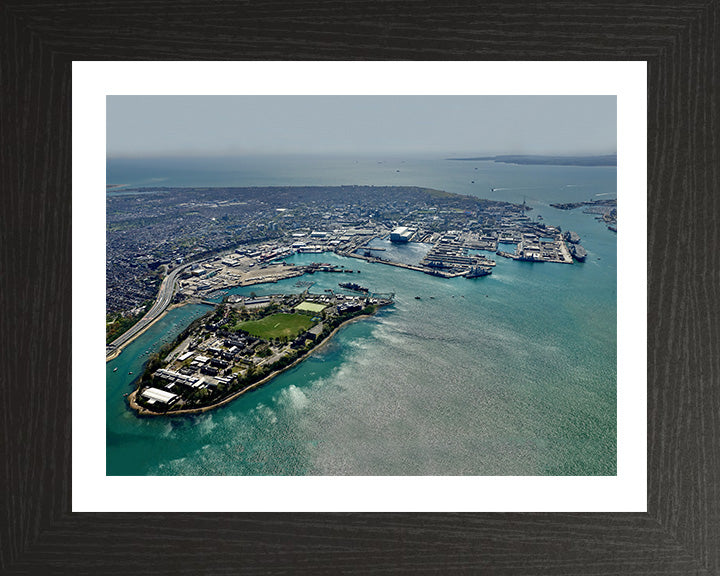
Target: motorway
[167,289]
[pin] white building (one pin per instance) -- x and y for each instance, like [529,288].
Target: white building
[156,395]
[400,234]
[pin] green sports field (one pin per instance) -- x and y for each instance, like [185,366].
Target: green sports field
[310,307]
[277,326]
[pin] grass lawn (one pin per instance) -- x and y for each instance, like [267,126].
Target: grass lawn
[277,326]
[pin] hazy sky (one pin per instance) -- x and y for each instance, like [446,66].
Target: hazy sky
[231,125]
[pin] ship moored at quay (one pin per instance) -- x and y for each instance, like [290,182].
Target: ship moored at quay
[354,287]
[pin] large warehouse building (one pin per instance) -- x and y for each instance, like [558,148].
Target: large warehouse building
[400,234]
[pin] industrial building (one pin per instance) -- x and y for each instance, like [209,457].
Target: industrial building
[401,234]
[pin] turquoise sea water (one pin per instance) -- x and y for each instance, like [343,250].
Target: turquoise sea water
[511,374]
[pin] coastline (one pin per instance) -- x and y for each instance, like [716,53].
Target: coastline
[272,278]
[245,282]
[145,412]
[115,353]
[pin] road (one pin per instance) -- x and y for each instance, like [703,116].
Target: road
[165,294]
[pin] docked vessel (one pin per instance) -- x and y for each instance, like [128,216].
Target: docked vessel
[572,237]
[477,271]
[354,287]
[578,252]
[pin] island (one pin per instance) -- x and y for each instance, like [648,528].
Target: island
[604,160]
[243,343]
[605,210]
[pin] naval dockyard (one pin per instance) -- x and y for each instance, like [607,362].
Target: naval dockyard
[176,246]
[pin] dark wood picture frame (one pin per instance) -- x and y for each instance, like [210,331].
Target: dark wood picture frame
[680,533]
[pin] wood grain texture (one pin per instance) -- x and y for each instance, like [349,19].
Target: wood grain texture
[681,532]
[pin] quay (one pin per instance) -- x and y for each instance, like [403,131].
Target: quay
[381,261]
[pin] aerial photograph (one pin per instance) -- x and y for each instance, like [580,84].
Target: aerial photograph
[361,285]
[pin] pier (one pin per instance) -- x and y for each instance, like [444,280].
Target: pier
[381,261]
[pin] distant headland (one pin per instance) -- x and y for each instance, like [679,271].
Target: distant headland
[606,160]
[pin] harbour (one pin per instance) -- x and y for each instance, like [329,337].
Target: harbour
[526,355]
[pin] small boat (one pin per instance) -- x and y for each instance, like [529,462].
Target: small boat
[417,297]
[129,372]
[115,370]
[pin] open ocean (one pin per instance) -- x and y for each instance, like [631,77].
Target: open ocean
[509,374]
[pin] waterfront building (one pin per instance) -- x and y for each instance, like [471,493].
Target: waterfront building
[400,234]
[156,395]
